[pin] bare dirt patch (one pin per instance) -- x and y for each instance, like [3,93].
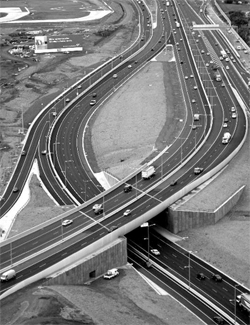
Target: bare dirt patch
[126,299]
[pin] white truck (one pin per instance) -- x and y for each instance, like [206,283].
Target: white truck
[243,301]
[8,275]
[226,137]
[223,53]
[148,172]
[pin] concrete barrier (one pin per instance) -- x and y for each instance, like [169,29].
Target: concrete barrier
[179,220]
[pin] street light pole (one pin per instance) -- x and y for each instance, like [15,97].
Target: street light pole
[235,296]
[54,151]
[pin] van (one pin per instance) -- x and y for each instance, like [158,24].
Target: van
[8,275]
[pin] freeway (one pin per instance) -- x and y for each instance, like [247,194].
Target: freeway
[207,157]
[186,266]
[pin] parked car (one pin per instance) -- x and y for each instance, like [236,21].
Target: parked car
[67,222]
[111,274]
[155,251]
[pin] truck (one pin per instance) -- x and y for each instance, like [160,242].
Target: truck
[148,172]
[226,137]
[177,24]
[223,53]
[243,301]
[196,117]
[217,75]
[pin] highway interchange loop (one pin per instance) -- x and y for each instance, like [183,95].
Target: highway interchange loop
[65,123]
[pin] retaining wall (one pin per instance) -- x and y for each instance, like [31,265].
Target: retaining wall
[94,265]
[181,219]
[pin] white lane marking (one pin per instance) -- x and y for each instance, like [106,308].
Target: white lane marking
[42,265]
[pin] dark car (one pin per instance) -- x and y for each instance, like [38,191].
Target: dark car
[219,320]
[217,278]
[201,276]
[94,94]
[127,188]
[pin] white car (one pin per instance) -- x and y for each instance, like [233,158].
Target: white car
[234,115]
[67,222]
[227,67]
[79,87]
[111,274]
[115,76]
[202,51]
[98,208]
[208,53]
[224,125]
[54,113]
[191,76]
[222,85]
[186,77]
[127,213]
[234,61]
[44,152]
[130,66]
[67,100]
[155,252]
[233,109]
[195,87]
[207,64]
[193,100]
[227,59]
[221,58]
[92,102]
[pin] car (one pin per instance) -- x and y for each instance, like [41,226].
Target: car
[224,125]
[227,50]
[207,64]
[142,39]
[177,43]
[152,49]
[173,183]
[226,120]
[127,213]
[198,170]
[54,113]
[197,41]
[175,32]
[94,95]
[15,189]
[202,51]
[231,57]
[233,109]
[178,49]
[44,152]
[112,228]
[221,58]
[79,86]
[115,76]
[98,208]
[186,77]
[227,59]
[111,274]
[23,153]
[155,251]
[193,100]
[191,76]
[227,67]
[222,85]
[195,87]
[234,115]
[234,61]
[159,41]
[212,62]
[216,44]
[201,276]
[92,102]
[238,47]
[216,278]
[219,320]
[127,188]
[67,100]
[136,62]
[194,127]
[181,39]
[208,53]
[67,222]
[245,51]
